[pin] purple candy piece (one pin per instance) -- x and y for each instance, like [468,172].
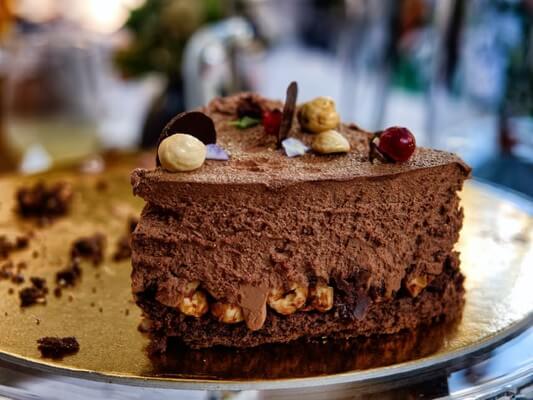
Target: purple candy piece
[294,147]
[215,152]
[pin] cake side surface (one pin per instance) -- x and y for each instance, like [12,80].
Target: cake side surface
[288,247]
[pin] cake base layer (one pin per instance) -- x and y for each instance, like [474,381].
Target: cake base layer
[442,299]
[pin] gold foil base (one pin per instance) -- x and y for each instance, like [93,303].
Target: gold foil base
[496,255]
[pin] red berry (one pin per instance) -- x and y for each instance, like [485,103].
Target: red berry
[272,121]
[397,143]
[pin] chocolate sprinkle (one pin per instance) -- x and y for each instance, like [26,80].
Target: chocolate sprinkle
[56,348]
[288,112]
[194,123]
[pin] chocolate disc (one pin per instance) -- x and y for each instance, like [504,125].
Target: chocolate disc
[194,123]
[288,112]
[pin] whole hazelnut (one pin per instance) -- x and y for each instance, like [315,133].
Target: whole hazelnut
[329,142]
[181,152]
[318,115]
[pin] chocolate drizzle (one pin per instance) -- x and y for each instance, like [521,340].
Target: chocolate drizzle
[194,123]
[288,112]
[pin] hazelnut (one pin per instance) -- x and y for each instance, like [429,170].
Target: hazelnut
[194,305]
[329,142]
[318,115]
[287,303]
[227,313]
[321,297]
[181,152]
[416,285]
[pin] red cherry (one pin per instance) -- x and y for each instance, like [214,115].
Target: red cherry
[272,121]
[397,143]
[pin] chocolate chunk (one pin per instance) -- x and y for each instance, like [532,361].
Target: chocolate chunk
[249,107]
[44,201]
[194,123]
[57,348]
[288,112]
[90,248]
[69,275]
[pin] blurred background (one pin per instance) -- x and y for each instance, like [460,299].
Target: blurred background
[83,77]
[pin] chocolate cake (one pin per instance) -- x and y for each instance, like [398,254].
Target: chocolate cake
[267,248]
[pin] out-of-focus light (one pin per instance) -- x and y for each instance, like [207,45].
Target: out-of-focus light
[104,16]
[36,10]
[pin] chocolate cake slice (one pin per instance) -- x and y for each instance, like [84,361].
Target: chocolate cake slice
[266,248]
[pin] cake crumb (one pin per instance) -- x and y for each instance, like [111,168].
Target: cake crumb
[90,248]
[57,348]
[44,202]
[32,295]
[69,275]
[58,292]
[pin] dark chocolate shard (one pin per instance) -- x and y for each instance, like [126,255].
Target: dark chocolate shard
[194,123]
[288,112]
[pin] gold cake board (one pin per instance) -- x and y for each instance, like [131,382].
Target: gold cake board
[496,258]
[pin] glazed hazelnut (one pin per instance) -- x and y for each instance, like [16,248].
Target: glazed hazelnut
[287,303]
[321,297]
[318,115]
[181,152]
[329,142]
[227,313]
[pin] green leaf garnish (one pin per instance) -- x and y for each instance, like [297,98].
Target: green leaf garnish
[245,122]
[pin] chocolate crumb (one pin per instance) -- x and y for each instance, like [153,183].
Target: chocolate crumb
[17,279]
[57,348]
[144,326]
[5,314]
[32,295]
[22,242]
[44,202]
[35,254]
[70,298]
[39,283]
[58,292]
[92,304]
[6,270]
[100,309]
[8,246]
[10,290]
[69,275]
[123,250]
[37,321]
[127,312]
[22,265]
[93,290]
[91,248]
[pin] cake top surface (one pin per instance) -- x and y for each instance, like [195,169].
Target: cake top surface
[255,158]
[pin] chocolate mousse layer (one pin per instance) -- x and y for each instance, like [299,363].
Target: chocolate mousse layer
[310,246]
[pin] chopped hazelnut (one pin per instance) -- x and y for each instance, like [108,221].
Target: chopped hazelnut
[227,313]
[287,303]
[321,297]
[194,305]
